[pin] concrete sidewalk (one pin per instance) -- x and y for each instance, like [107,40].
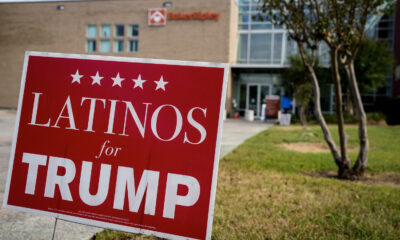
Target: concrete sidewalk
[236,131]
[19,225]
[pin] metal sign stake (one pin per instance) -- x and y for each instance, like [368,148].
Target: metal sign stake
[54,229]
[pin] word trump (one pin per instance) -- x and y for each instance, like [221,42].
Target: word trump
[67,113]
[125,184]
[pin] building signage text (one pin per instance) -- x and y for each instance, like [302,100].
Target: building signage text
[198,15]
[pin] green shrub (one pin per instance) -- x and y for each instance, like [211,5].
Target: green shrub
[375,117]
[332,119]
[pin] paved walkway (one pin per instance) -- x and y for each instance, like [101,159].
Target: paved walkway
[20,225]
[236,131]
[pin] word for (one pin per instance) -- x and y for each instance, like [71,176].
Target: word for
[109,150]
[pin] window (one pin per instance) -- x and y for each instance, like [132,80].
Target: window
[107,38]
[291,49]
[133,30]
[260,47]
[260,42]
[105,31]
[244,17]
[261,26]
[105,46]
[91,46]
[92,31]
[277,49]
[242,49]
[119,30]
[133,45]
[118,45]
[133,41]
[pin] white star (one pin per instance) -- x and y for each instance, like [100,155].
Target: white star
[117,80]
[161,84]
[76,77]
[139,82]
[96,78]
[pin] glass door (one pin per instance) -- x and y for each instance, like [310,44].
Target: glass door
[256,94]
[252,98]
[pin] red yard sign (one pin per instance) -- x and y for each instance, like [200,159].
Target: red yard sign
[120,143]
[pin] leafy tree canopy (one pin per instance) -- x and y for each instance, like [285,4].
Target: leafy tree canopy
[296,74]
[372,64]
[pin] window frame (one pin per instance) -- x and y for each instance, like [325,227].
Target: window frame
[137,45]
[103,41]
[101,30]
[87,45]
[116,30]
[115,50]
[131,26]
[87,30]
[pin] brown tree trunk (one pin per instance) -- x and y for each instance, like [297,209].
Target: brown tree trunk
[344,164]
[362,159]
[349,103]
[302,115]
[317,105]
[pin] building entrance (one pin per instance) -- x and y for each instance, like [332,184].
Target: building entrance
[256,94]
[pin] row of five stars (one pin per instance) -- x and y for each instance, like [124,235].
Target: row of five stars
[117,80]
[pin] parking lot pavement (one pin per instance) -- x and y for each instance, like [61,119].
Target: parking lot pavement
[20,225]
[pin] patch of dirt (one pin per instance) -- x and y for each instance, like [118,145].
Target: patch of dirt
[388,178]
[292,127]
[309,147]
[310,126]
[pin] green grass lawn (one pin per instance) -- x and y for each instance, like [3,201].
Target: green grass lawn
[263,151]
[265,191]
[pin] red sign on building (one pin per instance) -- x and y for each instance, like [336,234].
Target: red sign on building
[272,103]
[119,143]
[157,16]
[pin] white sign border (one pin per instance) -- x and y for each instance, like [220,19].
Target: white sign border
[102,224]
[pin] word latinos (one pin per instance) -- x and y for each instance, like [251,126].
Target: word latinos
[67,114]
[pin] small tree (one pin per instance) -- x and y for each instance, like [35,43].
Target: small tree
[350,19]
[294,15]
[341,25]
